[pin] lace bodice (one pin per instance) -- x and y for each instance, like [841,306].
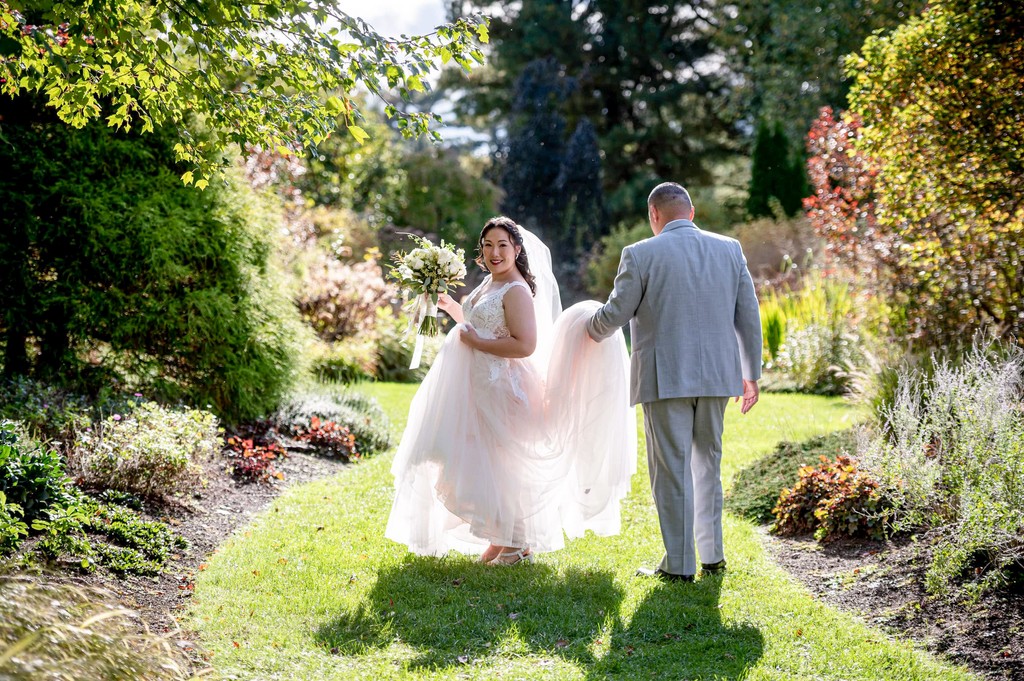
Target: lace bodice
[486,313]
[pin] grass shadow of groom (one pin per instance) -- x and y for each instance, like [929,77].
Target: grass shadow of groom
[455,611]
[676,632]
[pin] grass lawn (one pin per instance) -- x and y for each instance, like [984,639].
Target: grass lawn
[312,590]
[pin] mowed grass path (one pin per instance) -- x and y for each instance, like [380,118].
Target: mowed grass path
[312,590]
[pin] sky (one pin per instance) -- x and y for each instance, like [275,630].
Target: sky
[395,17]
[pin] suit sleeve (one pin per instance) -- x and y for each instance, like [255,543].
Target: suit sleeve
[747,323]
[623,301]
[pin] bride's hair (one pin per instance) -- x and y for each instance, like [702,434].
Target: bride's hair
[522,262]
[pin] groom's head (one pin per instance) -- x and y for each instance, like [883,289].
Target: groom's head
[667,202]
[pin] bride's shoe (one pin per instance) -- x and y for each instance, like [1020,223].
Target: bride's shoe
[513,557]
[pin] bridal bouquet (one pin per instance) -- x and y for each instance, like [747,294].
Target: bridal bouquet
[427,271]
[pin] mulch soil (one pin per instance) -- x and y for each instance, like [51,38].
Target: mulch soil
[883,583]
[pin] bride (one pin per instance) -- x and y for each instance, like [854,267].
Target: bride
[521,431]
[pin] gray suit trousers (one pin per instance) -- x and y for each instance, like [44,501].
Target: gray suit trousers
[684,456]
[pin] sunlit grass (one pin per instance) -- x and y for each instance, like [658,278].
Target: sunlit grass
[312,590]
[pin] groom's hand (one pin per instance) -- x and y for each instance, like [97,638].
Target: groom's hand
[750,394]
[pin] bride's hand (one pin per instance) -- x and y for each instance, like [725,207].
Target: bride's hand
[468,335]
[446,303]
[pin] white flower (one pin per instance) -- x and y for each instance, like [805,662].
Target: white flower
[414,262]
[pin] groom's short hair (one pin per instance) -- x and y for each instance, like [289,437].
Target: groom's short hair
[670,195]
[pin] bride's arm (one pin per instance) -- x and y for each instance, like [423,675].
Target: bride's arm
[522,328]
[447,303]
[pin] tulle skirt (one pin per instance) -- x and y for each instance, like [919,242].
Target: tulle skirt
[506,452]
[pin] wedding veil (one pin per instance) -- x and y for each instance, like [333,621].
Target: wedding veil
[547,302]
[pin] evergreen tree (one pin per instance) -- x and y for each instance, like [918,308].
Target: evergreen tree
[107,256]
[532,156]
[643,83]
[776,172]
[579,183]
[787,55]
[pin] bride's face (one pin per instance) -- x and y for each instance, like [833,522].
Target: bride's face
[499,251]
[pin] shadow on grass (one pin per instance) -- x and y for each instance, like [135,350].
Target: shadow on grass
[453,611]
[677,632]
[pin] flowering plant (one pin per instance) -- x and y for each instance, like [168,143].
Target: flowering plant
[427,271]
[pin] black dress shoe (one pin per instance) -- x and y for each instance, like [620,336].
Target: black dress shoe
[713,568]
[663,576]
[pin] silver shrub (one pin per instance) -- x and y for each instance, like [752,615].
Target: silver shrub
[953,462]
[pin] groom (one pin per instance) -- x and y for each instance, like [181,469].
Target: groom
[696,341]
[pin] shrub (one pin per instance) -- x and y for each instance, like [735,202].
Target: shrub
[831,499]
[152,451]
[361,415]
[63,533]
[778,250]
[93,533]
[329,438]
[756,488]
[175,291]
[813,357]
[31,476]
[58,631]
[603,262]
[818,333]
[253,462]
[951,461]
[347,361]
[340,300]
[133,545]
[395,348]
[12,529]
[44,409]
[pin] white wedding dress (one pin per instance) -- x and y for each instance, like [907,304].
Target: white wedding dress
[516,452]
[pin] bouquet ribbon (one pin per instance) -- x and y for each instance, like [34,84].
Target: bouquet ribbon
[425,320]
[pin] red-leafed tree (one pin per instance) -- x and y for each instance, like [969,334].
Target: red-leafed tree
[842,206]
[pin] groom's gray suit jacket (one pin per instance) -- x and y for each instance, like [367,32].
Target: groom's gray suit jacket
[695,326]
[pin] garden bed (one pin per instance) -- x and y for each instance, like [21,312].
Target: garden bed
[883,582]
[206,522]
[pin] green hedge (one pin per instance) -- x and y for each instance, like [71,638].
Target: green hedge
[115,274]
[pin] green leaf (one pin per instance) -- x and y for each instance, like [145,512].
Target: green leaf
[358,133]
[335,106]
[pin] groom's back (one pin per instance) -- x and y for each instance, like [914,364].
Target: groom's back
[697,301]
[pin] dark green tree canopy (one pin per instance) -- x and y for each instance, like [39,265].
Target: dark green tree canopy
[645,80]
[787,55]
[776,173]
[114,273]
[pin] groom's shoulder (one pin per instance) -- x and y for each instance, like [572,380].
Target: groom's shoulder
[722,243]
[642,246]
[719,238]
